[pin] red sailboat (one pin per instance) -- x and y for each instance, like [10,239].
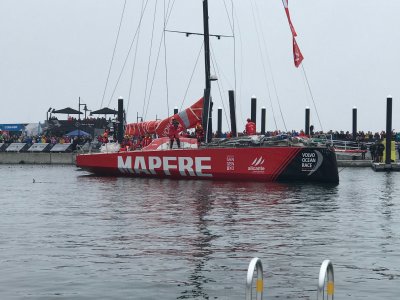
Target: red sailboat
[251,158]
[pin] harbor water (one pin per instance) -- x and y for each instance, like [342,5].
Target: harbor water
[67,235]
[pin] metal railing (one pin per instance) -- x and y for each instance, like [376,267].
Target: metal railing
[255,264]
[326,276]
[326,279]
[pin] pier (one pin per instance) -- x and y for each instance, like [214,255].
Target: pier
[389,164]
[42,158]
[383,167]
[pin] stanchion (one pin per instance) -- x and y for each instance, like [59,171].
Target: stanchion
[326,273]
[255,263]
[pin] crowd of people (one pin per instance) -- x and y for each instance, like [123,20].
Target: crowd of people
[6,137]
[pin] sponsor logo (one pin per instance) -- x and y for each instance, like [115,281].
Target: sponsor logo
[311,161]
[257,165]
[155,165]
[230,163]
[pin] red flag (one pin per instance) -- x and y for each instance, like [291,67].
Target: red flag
[298,57]
[286,5]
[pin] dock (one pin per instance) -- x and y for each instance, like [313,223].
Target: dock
[354,163]
[43,158]
[383,167]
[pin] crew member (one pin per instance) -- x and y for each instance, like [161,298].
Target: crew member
[126,144]
[147,140]
[137,144]
[140,142]
[105,137]
[174,133]
[199,133]
[311,130]
[250,127]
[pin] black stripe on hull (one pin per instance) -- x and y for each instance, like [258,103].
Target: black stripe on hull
[312,164]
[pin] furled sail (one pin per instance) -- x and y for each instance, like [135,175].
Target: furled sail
[187,118]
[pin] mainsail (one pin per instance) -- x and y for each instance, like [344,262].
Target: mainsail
[187,118]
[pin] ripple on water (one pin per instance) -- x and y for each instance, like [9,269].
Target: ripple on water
[72,236]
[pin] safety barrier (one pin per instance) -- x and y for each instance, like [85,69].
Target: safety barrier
[61,148]
[326,274]
[255,264]
[39,147]
[17,147]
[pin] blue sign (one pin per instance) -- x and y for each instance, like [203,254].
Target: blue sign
[12,127]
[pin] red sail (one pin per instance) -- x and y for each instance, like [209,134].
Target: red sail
[187,118]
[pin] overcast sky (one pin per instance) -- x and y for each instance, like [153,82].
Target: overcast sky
[54,51]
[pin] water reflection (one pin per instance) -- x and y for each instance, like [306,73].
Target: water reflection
[166,239]
[386,196]
[386,206]
[201,247]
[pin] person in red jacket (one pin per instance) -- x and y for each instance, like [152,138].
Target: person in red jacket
[147,140]
[199,133]
[105,137]
[173,134]
[250,127]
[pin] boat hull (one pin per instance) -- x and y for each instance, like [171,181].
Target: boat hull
[244,164]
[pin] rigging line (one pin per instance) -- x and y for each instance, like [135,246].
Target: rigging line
[306,93]
[263,64]
[221,72]
[191,76]
[168,12]
[165,54]
[154,75]
[223,105]
[127,56]
[113,55]
[149,61]
[312,97]
[234,43]
[155,69]
[269,65]
[216,69]
[227,14]
[241,67]
[134,64]
[232,25]
[132,74]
